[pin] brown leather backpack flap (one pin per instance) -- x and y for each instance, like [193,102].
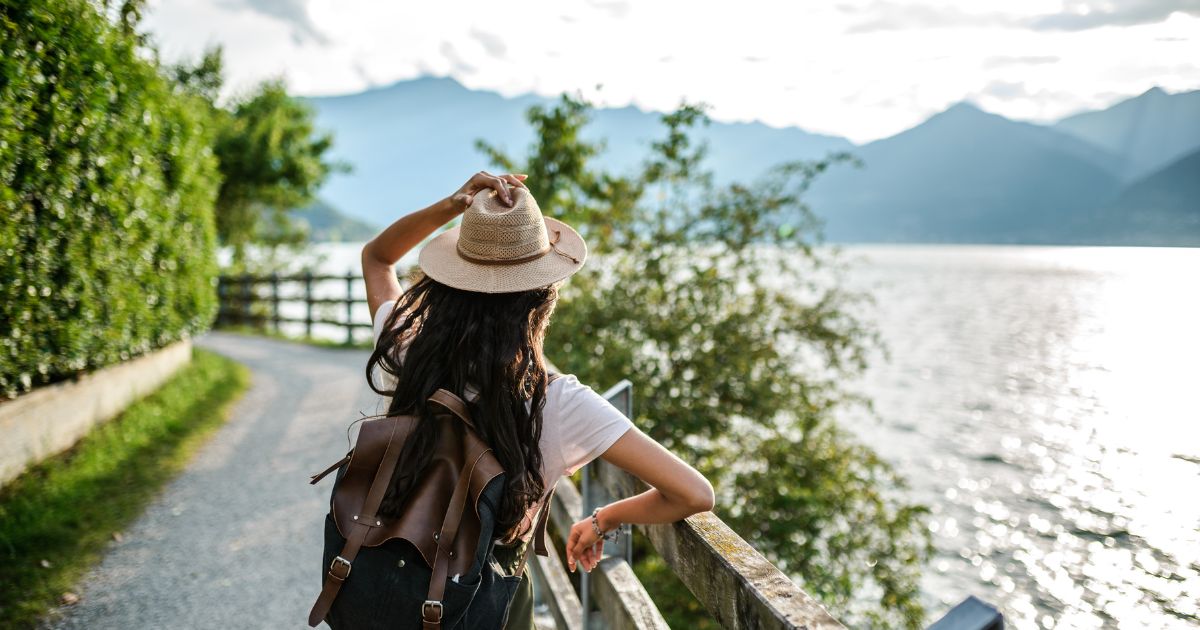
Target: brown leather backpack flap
[459,451]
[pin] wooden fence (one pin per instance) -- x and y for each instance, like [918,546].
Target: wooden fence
[258,301]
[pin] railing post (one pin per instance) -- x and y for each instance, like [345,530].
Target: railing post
[275,300]
[222,300]
[621,396]
[308,303]
[350,307]
[244,307]
[594,495]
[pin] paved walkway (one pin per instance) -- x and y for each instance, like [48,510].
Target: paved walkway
[235,541]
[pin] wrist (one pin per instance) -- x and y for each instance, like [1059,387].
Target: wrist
[605,518]
[446,208]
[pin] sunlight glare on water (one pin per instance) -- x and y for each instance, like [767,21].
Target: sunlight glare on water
[1042,401]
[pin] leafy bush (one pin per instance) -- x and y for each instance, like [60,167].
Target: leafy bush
[107,184]
[719,305]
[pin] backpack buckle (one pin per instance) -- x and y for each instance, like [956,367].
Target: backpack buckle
[427,606]
[339,562]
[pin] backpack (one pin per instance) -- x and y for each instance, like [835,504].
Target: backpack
[432,565]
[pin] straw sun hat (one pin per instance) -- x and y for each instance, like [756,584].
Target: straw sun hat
[502,249]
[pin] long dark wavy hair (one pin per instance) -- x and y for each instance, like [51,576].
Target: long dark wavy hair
[441,337]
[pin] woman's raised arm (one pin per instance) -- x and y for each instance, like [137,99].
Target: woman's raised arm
[677,491]
[380,254]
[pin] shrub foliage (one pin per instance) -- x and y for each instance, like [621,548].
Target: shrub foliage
[107,185]
[717,302]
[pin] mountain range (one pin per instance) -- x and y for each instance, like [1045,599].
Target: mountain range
[1123,175]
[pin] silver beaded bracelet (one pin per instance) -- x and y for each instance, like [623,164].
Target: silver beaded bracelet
[609,536]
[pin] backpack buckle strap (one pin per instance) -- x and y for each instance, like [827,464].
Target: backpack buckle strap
[339,562]
[427,611]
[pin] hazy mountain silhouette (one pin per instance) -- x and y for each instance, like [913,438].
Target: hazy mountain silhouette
[1163,207]
[963,175]
[414,141]
[1148,131]
[326,223]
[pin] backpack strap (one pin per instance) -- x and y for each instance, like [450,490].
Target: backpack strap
[339,569]
[321,475]
[431,610]
[539,534]
[453,404]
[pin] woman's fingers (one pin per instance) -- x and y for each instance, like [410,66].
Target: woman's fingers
[501,186]
[572,543]
[484,179]
[515,180]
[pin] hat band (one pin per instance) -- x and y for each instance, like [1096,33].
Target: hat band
[550,247]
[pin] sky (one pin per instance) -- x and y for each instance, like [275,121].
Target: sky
[861,69]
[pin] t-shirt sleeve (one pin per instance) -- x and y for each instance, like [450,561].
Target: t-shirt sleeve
[381,316]
[587,423]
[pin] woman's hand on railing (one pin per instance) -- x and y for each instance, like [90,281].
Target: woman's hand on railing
[584,545]
[677,492]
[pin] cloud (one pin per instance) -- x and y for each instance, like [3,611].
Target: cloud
[1005,90]
[614,8]
[1085,14]
[890,16]
[294,12]
[1003,61]
[456,61]
[490,42]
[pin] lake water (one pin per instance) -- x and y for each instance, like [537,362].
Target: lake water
[1044,402]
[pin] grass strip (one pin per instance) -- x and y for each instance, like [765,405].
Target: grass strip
[57,518]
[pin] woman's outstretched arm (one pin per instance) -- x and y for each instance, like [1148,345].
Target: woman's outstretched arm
[677,491]
[380,254]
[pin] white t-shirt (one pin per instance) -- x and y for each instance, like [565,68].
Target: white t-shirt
[578,424]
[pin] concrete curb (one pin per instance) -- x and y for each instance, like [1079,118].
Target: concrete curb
[51,419]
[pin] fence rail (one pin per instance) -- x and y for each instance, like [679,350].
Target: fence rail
[256,300]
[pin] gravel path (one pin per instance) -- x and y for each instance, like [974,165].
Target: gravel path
[235,541]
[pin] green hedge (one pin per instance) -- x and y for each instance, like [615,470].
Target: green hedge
[107,184]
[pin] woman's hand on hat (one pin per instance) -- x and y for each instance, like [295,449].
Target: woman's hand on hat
[463,197]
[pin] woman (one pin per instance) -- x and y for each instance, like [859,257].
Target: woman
[474,322]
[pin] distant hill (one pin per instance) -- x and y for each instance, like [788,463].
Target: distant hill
[966,176]
[963,175]
[325,223]
[1148,131]
[413,141]
[1163,206]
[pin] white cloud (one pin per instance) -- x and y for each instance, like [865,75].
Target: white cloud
[862,68]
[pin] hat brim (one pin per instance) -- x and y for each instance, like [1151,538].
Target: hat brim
[439,259]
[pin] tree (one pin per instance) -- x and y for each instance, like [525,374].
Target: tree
[722,308]
[271,156]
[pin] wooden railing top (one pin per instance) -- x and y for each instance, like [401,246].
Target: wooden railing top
[731,579]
